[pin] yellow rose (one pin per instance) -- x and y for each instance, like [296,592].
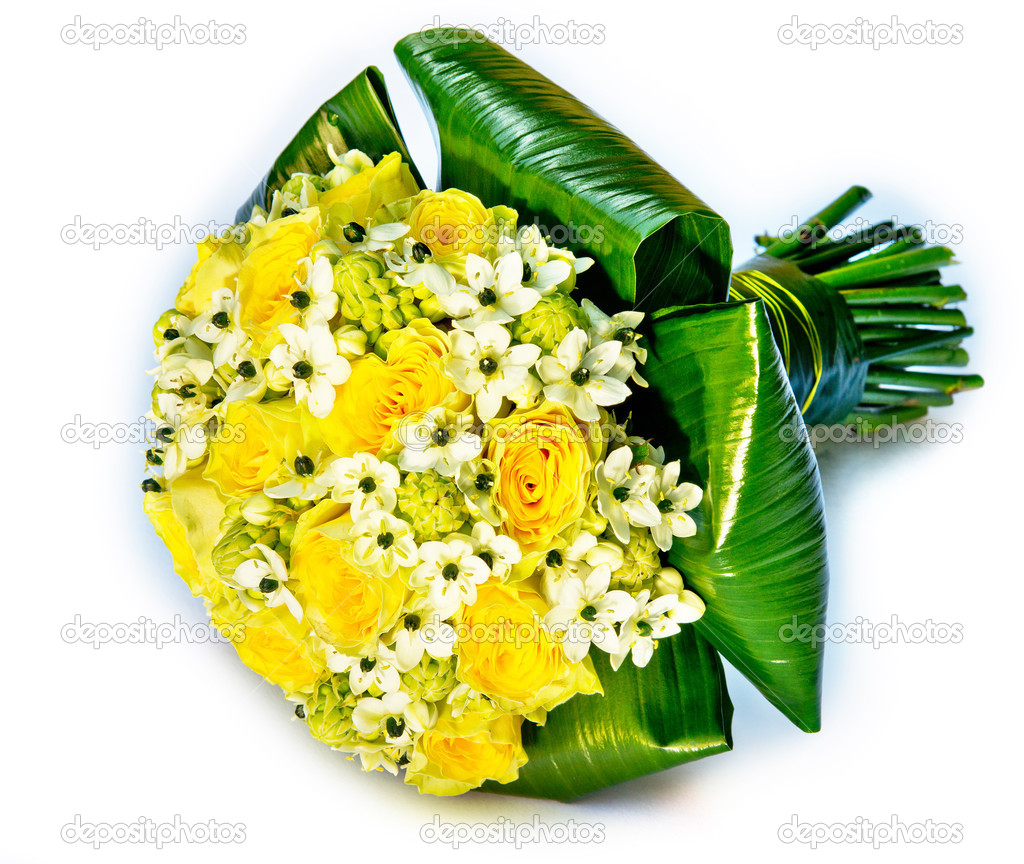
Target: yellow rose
[278,647]
[460,753]
[253,440]
[346,607]
[187,518]
[450,222]
[378,393]
[217,267]
[366,192]
[505,653]
[544,461]
[266,278]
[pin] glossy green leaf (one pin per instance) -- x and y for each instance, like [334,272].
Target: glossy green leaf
[674,710]
[824,357]
[720,401]
[512,136]
[359,116]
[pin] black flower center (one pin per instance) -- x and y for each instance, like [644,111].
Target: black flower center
[420,252]
[303,466]
[247,369]
[450,572]
[554,558]
[385,540]
[621,493]
[267,585]
[354,232]
[170,334]
[367,485]
[580,377]
[488,297]
[588,613]
[302,370]
[488,366]
[220,320]
[300,299]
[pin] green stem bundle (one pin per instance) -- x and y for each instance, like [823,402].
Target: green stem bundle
[905,330]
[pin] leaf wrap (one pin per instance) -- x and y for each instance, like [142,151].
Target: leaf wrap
[821,349]
[360,116]
[512,136]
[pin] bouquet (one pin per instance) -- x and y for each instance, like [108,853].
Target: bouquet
[482,524]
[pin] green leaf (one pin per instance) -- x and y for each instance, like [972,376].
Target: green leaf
[674,710]
[359,116]
[720,400]
[511,136]
[823,354]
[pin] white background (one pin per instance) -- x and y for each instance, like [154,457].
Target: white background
[759,129]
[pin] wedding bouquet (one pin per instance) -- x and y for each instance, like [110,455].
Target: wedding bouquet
[479,530]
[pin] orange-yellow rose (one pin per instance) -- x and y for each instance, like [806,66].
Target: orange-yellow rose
[345,606]
[217,267]
[544,461]
[505,653]
[450,222]
[253,440]
[460,753]
[378,393]
[187,517]
[277,647]
[372,188]
[266,278]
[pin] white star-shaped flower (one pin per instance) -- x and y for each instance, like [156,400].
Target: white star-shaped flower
[622,493]
[438,439]
[576,375]
[364,482]
[268,576]
[309,359]
[586,613]
[450,572]
[383,542]
[486,365]
[672,502]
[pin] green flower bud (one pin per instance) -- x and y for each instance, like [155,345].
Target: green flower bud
[432,680]
[237,545]
[372,299]
[641,562]
[329,713]
[432,504]
[550,321]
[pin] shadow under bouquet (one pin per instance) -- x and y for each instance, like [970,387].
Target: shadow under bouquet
[489,506]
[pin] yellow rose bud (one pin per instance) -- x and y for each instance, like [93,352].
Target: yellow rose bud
[372,188]
[278,647]
[544,461]
[253,440]
[379,394]
[459,754]
[346,607]
[450,222]
[266,279]
[217,267]
[187,517]
[505,653]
